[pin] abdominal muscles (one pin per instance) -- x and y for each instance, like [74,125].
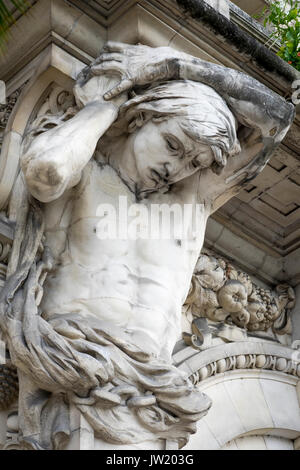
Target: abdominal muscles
[138,286]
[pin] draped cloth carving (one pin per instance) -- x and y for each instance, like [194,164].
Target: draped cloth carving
[125,394]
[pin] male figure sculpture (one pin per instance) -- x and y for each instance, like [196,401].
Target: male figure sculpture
[102,336]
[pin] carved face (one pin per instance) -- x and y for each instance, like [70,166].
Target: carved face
[209,273]
[163,154]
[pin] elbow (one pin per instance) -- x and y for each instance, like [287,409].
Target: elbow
[46,180]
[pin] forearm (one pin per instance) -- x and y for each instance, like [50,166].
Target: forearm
[56,158]
[255,105]
[251,101]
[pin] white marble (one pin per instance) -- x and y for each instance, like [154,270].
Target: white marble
[250,403]
[203,439]
[108,311]
[223,412]
[288,411]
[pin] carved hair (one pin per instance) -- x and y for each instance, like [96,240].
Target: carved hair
[203,115]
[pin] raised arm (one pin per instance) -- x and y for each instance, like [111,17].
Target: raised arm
[264,115]
[255,106]
[55,159]
[253,103]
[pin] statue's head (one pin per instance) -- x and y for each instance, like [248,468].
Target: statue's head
[173,130]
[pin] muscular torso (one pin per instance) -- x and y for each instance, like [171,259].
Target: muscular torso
[138,285]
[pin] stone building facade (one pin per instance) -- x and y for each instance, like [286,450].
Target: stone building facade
[240,324]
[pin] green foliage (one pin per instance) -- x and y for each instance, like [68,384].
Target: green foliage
[6,17]
[284,16]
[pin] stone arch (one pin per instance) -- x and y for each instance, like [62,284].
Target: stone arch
[248,403]
[254,387]
[260,442]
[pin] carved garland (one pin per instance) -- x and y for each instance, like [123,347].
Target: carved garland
[222,293]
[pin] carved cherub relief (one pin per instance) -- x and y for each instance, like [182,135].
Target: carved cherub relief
[221,292]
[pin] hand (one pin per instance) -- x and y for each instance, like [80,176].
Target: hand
[135,65]
[90,88]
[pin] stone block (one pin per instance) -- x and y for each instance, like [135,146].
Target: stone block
[203,439]
[217,417]
[283,404]
[250,403]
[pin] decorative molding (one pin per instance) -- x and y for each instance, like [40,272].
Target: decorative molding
[257,355]
[251,26]
[247,361]
[6,110]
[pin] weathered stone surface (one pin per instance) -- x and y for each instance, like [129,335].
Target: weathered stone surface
[221,292]
[92,322]
[238,39]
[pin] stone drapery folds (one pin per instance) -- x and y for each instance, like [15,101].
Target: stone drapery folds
[125,394]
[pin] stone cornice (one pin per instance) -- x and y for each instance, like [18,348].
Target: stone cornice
[238,39]
[76,25]
[252,27]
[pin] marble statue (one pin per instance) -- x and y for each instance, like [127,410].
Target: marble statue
[93,322]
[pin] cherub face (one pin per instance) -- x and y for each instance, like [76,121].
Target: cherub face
[209,273]
[163,155]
